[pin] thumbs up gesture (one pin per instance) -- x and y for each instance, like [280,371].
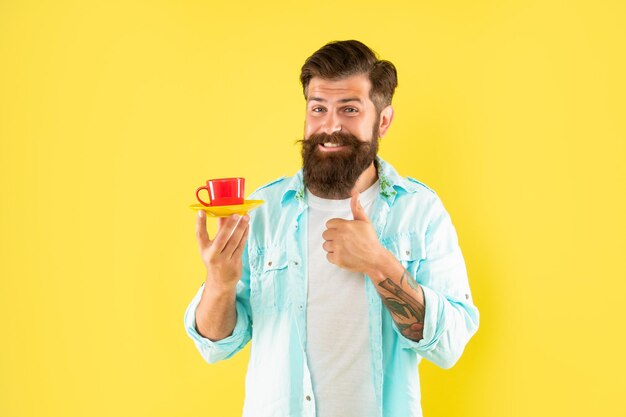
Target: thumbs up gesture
[353,244]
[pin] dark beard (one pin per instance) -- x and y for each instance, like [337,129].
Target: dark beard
[333,174]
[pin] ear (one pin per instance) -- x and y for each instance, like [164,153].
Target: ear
[386,116]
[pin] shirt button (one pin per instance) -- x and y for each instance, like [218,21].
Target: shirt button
[408,252]
[295,263]
[269,263]
[308,398]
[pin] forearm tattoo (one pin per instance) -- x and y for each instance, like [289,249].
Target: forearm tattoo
[407,312]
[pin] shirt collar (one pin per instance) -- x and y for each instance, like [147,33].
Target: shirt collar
[294,189]
[390,184]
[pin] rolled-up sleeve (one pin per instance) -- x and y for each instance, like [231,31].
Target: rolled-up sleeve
[451,318]
[222,349]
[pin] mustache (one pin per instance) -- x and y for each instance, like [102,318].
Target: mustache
[337,138]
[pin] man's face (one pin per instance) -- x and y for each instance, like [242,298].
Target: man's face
[340,105]
[340,134]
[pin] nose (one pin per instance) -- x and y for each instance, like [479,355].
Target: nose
[331,123]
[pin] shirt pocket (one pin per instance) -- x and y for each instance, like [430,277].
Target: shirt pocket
[408,249]
[268,280]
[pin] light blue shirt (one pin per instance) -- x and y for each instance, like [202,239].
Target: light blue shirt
[412,223]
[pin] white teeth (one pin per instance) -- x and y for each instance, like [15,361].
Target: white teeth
[331,145]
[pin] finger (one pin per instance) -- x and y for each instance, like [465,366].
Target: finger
[329,234]
[201,233]
[235,237]
[224,233]
[221,222]
[328,246]
[357,209]
[242,244]
[331,258]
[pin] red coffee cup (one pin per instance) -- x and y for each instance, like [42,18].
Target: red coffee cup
[223,191]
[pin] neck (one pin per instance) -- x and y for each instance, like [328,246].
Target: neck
[366,179]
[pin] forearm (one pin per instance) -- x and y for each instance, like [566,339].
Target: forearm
[216,314]
[401,294]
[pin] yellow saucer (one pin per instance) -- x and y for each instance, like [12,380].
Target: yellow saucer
[225,211]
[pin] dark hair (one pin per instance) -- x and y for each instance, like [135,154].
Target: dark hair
[341,59]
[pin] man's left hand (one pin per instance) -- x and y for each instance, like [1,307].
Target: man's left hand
[353,244]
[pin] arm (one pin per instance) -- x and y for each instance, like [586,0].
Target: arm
[214,351]
[451,318]
[400,293]
[354,245]
[217,318]
[430,303]
[216,314]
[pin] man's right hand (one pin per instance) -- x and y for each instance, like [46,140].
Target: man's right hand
[222,255]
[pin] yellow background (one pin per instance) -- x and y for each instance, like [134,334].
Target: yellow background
[113,112]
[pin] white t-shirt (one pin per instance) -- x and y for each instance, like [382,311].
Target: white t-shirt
[338,349]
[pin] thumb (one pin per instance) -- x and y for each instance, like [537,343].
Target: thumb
[357,209]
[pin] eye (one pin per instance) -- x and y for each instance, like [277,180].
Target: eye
[351,110]
[318,109]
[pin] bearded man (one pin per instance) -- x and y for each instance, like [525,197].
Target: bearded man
[348,276]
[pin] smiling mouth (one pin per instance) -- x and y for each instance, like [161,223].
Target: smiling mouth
[330,147]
